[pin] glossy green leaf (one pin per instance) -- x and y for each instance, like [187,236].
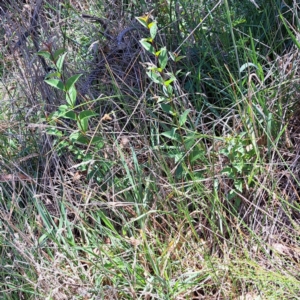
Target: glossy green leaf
[54,74]
[168,90]
[74,136]
[44,54]
[143,20]
[57,53]
[180,57]
[163,58]
[82,139]
[175,57]
[62,109]
[71,115]
[171,134]
[172,56]
[55,83]
[153,29]
[147,45]
[227,170]
[97,140]
[167,108]
[71,95]
[196,155]
[155,77]
[79,138]
[183,117]
[86,114]
[72,80]
[83,124]
[83,119]
[238,184]
[247,66]
[169,81]
[54,131]
[60,62]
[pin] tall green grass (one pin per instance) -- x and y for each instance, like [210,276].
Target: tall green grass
[192,194]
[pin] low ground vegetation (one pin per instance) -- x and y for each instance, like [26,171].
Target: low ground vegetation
[150,150]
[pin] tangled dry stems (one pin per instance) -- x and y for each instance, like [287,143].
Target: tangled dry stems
[269,211]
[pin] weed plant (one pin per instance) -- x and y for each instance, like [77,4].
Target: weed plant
[149,150]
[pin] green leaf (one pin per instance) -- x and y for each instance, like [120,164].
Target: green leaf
[97,140]
[107,222]
[183,117]
[57,53]
[78,137]
[54,131]
[54,74]
[238,184]
[231,195]
[227,171]
[178,156]
[190,140]
[167,108]
[60,62]
[44,54]
[71,115]
[147,45]
[74,136]
[152,67]
[143,20]
[153,29]
[247,66]
[180,172]
[83,117]
[239,166]
[86,114]
[155,77]
[157,53]
[72,80]
[171,134]
[163,58]
[287,27]
[168,90]
[52,116]
[83,124]
[175,57]
[62,109]
[178,72]
[55,83]
[71,95]
[196,155]
[240,149]
[172,55]
[82,139]
[169,81]
[160,99]
[43,239]
[180,57]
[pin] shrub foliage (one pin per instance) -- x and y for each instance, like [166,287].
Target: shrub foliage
[149,149]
